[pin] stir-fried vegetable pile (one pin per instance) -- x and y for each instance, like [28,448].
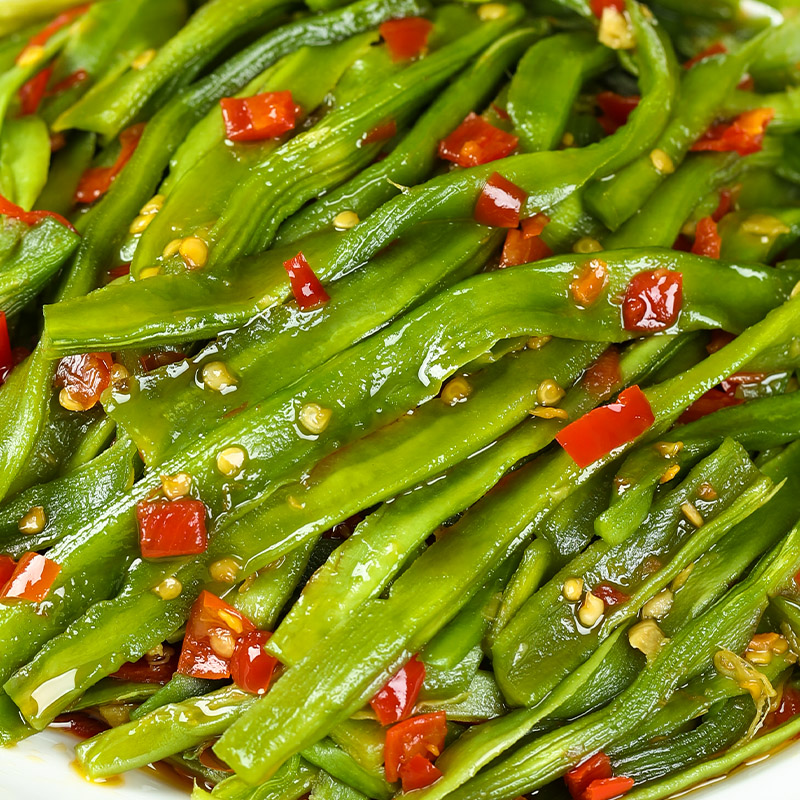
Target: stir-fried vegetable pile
[401,398]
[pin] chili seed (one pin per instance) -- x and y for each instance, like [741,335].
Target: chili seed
[143,59]
[149,272]
[456,390]
[587,245]
[314,418]
[66,400]
[177,485]
[33,522]
[345,220]
[647,637]
[224,570]
[152,206]
[139,225]
[572,589]
[670,473]
[692,514]
[194,252]
[169,588]
[659,606]
[543,412]
[217,376]
[591,610]
[489,11]
[222,643]
[231,460]
[537,342]
[705,491]
[232,621]
[668,449]
[172,248]
[765,225]
[549,393]
[681,578]
[662,162]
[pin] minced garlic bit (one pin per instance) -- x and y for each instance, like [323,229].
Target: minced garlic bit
[705,491]
[647,637]
[33,522]
[615,30]
[549,393]
[668,449]
[177,485]
[172,248]
[345,220]
[194,252]
[537,342]
[66,400]
[231,460]
[692,514]
[587,244]
[572,589]
[662,162]
[765,225]
[143,59]
[456,390]
[224,570]
[489,11]
[659,606]
[314,418]
[545,412]
[31,55]
[591,610]
[217,376]
[149,272]
[222,642]
[169,588]
[680,579]
[670,473]
[152,206]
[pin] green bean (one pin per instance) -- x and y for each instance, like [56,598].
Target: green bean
[335,761]
[780,228]
[328,788]
[24,159]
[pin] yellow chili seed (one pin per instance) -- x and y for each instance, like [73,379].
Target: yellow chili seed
[143,59]
[33,522]
[549,393]
[659,606]
[177,485]
[139,225]
[615,31]
[765,225]
[224,570]
[172,248]
[705,491]
[489,11]
[591,610]
[66,400]
[662,162]
[231,460]
[149,272]
[152,206]
[670,473]
[587,245]
[217,376]
[295,503]
[668,449]
[760,657]
[169,588]
[537,342]
[692,514]
[456,390]
[647,637]
[222,643]
[194,252]
[680,579]
[572,589]
[345,220]
[231,620]
[119,373]
[314,418]
[543,412]
[31,55]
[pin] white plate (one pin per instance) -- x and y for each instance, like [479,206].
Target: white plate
[40,769]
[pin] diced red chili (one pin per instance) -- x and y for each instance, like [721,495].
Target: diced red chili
[587,287]
[307,290]
[251,666]
[75,79]
[725,204]
[212,632]
[608,788]
[604,429]
[616,109]
[745,135]
[9,209]
[788,708]
[519,249]
[718,340]
[7,567]
[119,271]
[476,141]
[397,699]
[160,358]
[716,49]
[79,724]
[598,767]
[610,595]
[6,356]
[499,203]
[713,400]
[258,117]
[599,6]
[32,92]
[169,528]
[733,382]
[406,38]
[653,300]
[32,578]
[604,374]
[85,376]
[746,84]
[500,111]
[707,240]
[417,773]
[380,133]
[61,21]
[535,225]
[148,671]
[96,181]
[423,735]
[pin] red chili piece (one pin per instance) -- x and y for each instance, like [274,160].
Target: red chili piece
[713,400]
[261,116]
[61,21]
[745,135]
[423,735]
[380,133]
[251,666]
[85,377]
[7,566]
[789,707]
[169,528]
[417,773]
[6,356]
[32,92]
[406,38]
[212,632]
[653,300]
[75,79]
[707,241]
[616,109]
[602,430]
[608,788]
[119,271]
[587,287]
[96,181]
[81,725]
[714,50]
[9,209]
[598,767]
[519,249]
[397,699]
[610,595]
[306,288]
[599,6]
[160,358]
[604,374]
[732,382]
[725,205]
[32,578]
[476,141]
[144,671]
[499,203]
